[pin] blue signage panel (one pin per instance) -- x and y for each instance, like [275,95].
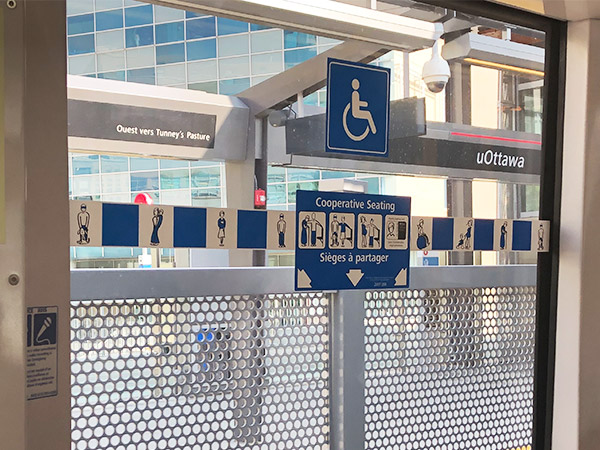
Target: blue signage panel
[358,108]
[351,241]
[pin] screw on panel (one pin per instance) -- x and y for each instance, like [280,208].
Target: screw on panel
[12,4]
[13,279]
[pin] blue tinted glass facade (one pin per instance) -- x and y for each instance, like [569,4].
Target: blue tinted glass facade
[80,24]
[136,37]
[293,39]
[118,76]
[204,49]
[293,57]
[169,32]
[200,28]
[168,54]
[234,86]
[80,45]
[140,15]
[227,26]
[145,76]
[109,20]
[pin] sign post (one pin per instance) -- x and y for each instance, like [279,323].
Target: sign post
[351,241]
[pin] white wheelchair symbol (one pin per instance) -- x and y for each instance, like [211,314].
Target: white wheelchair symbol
[356,104]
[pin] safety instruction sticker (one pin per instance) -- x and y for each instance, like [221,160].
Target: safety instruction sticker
[281,227]
[42,352]
[86,223]
[156,226]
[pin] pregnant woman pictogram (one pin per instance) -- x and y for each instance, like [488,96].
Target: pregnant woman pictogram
[355,105]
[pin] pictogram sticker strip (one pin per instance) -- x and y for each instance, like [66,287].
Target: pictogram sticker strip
[98,224]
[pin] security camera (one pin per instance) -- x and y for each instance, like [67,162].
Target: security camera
[278,118]
[436,71]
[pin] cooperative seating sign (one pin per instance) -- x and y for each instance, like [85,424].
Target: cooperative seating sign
[351,241]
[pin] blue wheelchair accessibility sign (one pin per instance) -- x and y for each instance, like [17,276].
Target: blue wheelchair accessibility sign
[358,108]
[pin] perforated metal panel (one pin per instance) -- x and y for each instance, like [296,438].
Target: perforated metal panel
[449,368]
[242,372]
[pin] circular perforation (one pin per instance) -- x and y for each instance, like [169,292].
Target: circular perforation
[241,372]
[449,368]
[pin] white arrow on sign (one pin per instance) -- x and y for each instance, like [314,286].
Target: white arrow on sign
[354,275]
[401,278]
[303,279]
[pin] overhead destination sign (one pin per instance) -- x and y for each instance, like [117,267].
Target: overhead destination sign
[351,241]
[137,124]
[358,108]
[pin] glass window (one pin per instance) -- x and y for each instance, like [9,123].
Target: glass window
[206,197]
[108,4]
[114,163]
[140,57]
[293,39]
[192,14]
[168,54]
[293,57]
[86,185]
[109,40]
[169,32]
[173,163]
[145,76]
[200,28]
[80,24]
[137,37]
[303,174]
[327,174]
[202,71]
[174,179]
[233,67]
[165,14]
[118,182]
[85,164]
[109,20]
[206,177]
[144,181]
[177,198]
[257,80]
[233,87]
[275,174]
[266,41]
[111,61]
[312,99]
[140,15]
[372,185]
[79,65]
[306,186]
[119,76]
[79,45]
[143,163]
[327,41]
[267,63]
[170,75]
[229,26]
[233,45]
[117,252]
[201,163]
[88,252]
[276,194]
[79,7]
[208,86]
[118,198]
[257,27]
[204,49]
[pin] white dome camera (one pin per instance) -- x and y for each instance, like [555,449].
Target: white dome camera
[436,71]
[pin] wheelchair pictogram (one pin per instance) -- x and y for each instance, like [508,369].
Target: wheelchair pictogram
[356,105]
